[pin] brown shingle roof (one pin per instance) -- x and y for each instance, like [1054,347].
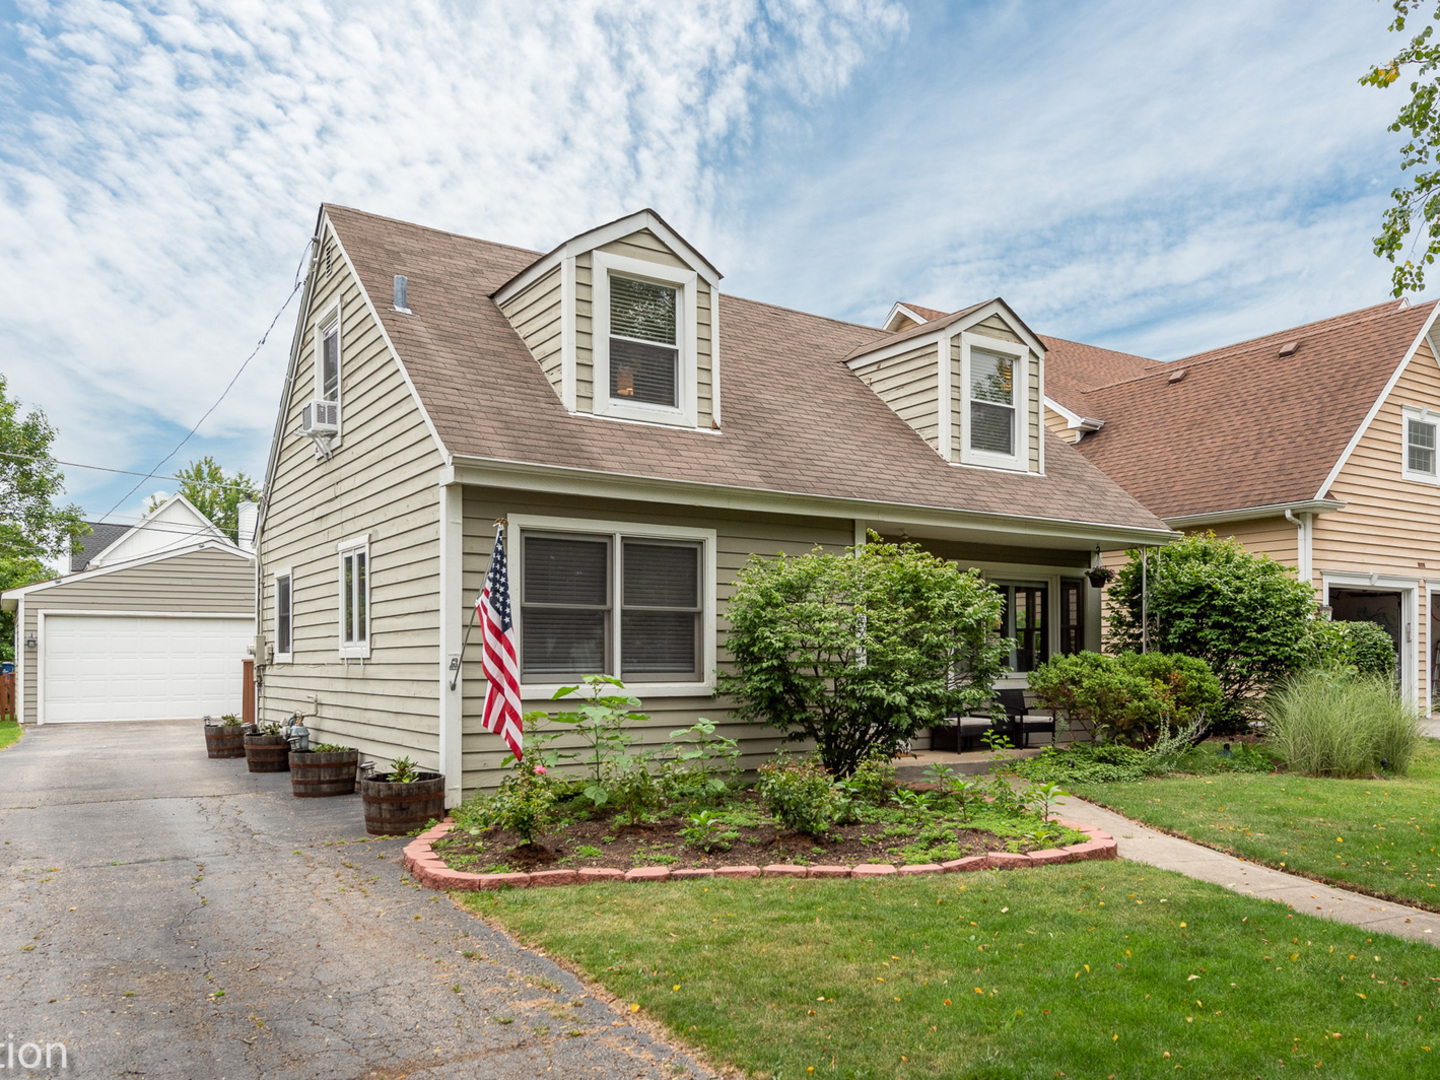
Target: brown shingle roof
[1071,368]
[926,313]
[795,418]
[1246,426]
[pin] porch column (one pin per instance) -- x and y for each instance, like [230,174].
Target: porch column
[452,634]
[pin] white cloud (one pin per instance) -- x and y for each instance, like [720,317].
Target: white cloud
[155,197]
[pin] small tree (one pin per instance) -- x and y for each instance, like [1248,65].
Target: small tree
[1245,615]
[861,650]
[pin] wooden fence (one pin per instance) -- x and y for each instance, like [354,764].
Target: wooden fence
[7,697]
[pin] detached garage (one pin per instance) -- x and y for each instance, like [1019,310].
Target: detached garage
[153,629]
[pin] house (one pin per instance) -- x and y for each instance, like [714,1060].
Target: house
[637,436]
[152,623]
[1316,445]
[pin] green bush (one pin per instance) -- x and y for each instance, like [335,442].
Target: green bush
[801,794]
[860,650]
[1096,763]
[1246,615]
[872,781]
[1134,698]
[1362,648]
[524,804]
[1326,724]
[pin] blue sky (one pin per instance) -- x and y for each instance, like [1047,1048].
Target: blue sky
[1153,178]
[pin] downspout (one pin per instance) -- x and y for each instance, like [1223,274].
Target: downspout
[1303,568]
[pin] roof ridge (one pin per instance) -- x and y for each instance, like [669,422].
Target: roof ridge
[430,228]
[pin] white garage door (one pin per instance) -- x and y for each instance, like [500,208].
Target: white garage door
[129,667]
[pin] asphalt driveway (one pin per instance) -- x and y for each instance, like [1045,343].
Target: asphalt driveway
[166,915]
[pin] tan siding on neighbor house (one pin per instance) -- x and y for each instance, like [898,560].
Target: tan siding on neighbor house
[1059,425]
[909,384]
[208,581]
[1275,537]
[646,246]
[737,537]
[382,481]
[535,314]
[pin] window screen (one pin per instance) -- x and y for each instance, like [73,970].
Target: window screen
[565,602]
[330,363]
[282,614]
[992,403]
[1420,448]
[644,357]
[660,616]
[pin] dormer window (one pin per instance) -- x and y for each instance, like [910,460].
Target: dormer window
[644,342]
[993,402]
[993,408]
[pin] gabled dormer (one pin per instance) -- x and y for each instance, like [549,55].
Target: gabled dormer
[623,320]
[970,383]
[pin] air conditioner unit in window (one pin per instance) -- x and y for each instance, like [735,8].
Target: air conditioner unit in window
[320,418]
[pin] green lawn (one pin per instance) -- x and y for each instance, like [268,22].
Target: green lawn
[1087,970]
[1379,835]
[9,733]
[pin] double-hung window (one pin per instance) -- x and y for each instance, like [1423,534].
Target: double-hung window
[284,618]
[645,340]
[355,598]
[629,601]
[1420,445]
[994,386]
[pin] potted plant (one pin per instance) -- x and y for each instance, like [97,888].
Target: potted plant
[1100,576]
[268,751]
[226,738]
[323,770]
[402,800]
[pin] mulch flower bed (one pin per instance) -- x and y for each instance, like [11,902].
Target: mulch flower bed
[606,842]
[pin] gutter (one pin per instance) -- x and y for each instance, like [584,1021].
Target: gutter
[1251,513]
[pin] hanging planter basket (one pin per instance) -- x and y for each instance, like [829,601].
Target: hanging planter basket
[1100,576]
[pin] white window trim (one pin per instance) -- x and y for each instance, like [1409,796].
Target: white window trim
[687,391]
[328,318]
[1423,414]
[355,650]
[1020,460]
[275,576]
[519,523]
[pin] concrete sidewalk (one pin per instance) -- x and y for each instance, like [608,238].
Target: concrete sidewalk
[1143,844]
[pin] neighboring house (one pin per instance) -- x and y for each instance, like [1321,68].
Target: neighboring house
[639,438]
[1316,445]
[152,623]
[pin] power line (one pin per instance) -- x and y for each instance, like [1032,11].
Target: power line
[299,281]
[125,472]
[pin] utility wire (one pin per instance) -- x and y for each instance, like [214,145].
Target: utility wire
[123,472]
[299,281]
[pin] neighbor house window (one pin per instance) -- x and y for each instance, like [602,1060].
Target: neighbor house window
[355,598]
[644,342]
[1025,619]
[613,603]
[991,399]
[283,619]
[1420,425]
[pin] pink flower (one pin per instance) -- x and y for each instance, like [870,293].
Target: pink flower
[539,770]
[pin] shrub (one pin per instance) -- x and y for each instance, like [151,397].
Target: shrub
[702,765]
[524,804]
[1096,763]
[800,794]
[1326,724]
[1362,648]
[872,781]
[858,651]
[1134,698]
[1245,615]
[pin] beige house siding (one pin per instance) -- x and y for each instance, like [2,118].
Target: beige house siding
[208,581]
[737,537]
[1275,537]
[381,481]
[647,247]
[1390,525]
[535,313]
[909,384]
[1059,426]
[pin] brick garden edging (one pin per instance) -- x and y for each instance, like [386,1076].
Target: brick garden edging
[430,870]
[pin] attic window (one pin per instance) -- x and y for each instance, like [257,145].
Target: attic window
[992,403]
[1420,445]
[644,349]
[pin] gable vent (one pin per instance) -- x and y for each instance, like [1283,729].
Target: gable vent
[1176,376]
[1288,349]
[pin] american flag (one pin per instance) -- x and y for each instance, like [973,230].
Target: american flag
[497,633]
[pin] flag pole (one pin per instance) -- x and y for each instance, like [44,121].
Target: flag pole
[500,523]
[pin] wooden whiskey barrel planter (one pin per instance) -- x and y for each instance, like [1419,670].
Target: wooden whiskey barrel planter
[396,809]
[317,776]
[267,753]
[224,741]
